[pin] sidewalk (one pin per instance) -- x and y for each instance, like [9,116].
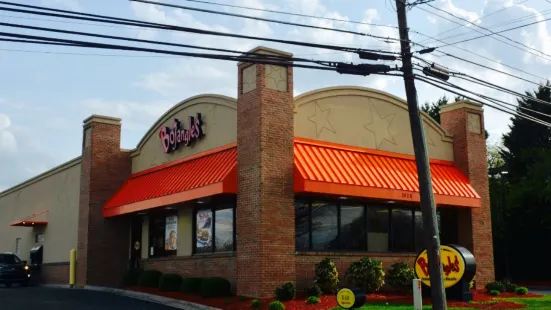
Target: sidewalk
[178,304]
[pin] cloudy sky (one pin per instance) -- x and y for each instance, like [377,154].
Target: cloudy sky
[46,92]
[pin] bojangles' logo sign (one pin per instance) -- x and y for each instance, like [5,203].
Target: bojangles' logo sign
[453,265]
[173,138]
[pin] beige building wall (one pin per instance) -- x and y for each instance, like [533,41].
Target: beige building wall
[57,191]
[365,118]
[219,125]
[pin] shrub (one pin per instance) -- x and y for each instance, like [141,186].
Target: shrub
[494,293]
[191,285]
[286,292]
[242,298]
[522,290]
[510,287]
[170,282]
[367,274]
[215,287]
[327,277]
[495,286]
[313,290]
[131,277]
[276,305]
[255,304]
[400,277]
[312,300]
[150,278]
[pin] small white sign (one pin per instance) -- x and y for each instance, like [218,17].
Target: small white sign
[417,296]
[151,251]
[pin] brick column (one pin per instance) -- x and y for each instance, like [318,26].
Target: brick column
[465,120]
[265,201]
[103,244]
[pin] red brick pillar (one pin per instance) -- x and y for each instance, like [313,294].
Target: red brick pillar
[265,201]
[465,121]
[103,244]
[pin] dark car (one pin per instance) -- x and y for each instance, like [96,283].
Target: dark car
[13,270]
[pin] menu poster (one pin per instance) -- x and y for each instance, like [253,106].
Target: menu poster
[204,229]
[171,233]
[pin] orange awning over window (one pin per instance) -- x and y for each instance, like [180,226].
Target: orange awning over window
[321,167]
[206,174]
[36,219]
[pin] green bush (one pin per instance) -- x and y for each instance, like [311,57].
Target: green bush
[276,305]
[313,290]
[367,274]
[242,298]
[312,300]
[170,282]
[495,286]
[327,276]
[495,292]
[522,290]
[191,285]
[150,278]
[255,304]
[131,277]
[510,287]
[400,277]
[286,292]
[215,287]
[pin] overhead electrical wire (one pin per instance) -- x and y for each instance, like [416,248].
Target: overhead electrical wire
[524,46]
[124,21]
[266,19]
[478,19]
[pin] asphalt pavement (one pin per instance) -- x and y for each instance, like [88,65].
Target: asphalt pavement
[41,298]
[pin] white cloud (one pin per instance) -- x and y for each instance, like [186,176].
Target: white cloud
[448,6]
[8,143]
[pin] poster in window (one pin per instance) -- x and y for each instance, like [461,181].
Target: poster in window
[171,233]
[204,229]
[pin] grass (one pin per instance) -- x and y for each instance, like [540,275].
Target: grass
[533,303]
[375,306]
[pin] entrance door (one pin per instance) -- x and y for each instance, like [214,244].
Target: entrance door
[136,244]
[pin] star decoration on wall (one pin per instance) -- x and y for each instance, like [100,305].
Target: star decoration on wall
[278,75]
[321,119]
[380,127]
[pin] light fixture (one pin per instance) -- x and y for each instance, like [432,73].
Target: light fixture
[200,201]
[142,213]
[169,208]
[343,197]
[504,172]
[23,223]
[391,201]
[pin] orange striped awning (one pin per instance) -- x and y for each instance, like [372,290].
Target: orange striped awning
[202,175]
[321,167]
[36,219]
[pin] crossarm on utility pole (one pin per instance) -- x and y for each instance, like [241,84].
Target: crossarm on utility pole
[430,225]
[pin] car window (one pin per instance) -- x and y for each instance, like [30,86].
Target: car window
[9,259]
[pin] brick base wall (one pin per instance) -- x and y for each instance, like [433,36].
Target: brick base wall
[55,273]
[306,263]
[221,265]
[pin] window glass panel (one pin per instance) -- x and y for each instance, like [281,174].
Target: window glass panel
[353,235]
[223,230]
[324,226]
[203,233]
[302,228]
[377,229]
[419,237]
[402,231]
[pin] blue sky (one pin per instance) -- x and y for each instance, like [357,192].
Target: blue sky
[45,94]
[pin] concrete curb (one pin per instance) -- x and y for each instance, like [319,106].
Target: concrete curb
[178,304]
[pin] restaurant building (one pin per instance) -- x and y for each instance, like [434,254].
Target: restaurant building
[256,189]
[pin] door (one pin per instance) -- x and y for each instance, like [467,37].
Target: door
[136,242]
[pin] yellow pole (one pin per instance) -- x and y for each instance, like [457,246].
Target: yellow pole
[72,267]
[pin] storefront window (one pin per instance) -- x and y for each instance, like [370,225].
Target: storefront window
[163,234]
[339,226]
[214,230]
[324,226]
[418,224]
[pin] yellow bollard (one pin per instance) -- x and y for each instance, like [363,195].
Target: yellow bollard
[72,267]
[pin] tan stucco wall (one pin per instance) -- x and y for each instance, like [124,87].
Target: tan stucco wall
[185,219]
[58,191]
[220,127]
[365,118]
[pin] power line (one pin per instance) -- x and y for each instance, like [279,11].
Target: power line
[478,19]
[500,35]
[291,14]
[266,19]
[124,21]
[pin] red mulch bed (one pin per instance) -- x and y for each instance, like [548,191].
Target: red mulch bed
[481,300]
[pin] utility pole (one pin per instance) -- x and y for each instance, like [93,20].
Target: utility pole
[430,224]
